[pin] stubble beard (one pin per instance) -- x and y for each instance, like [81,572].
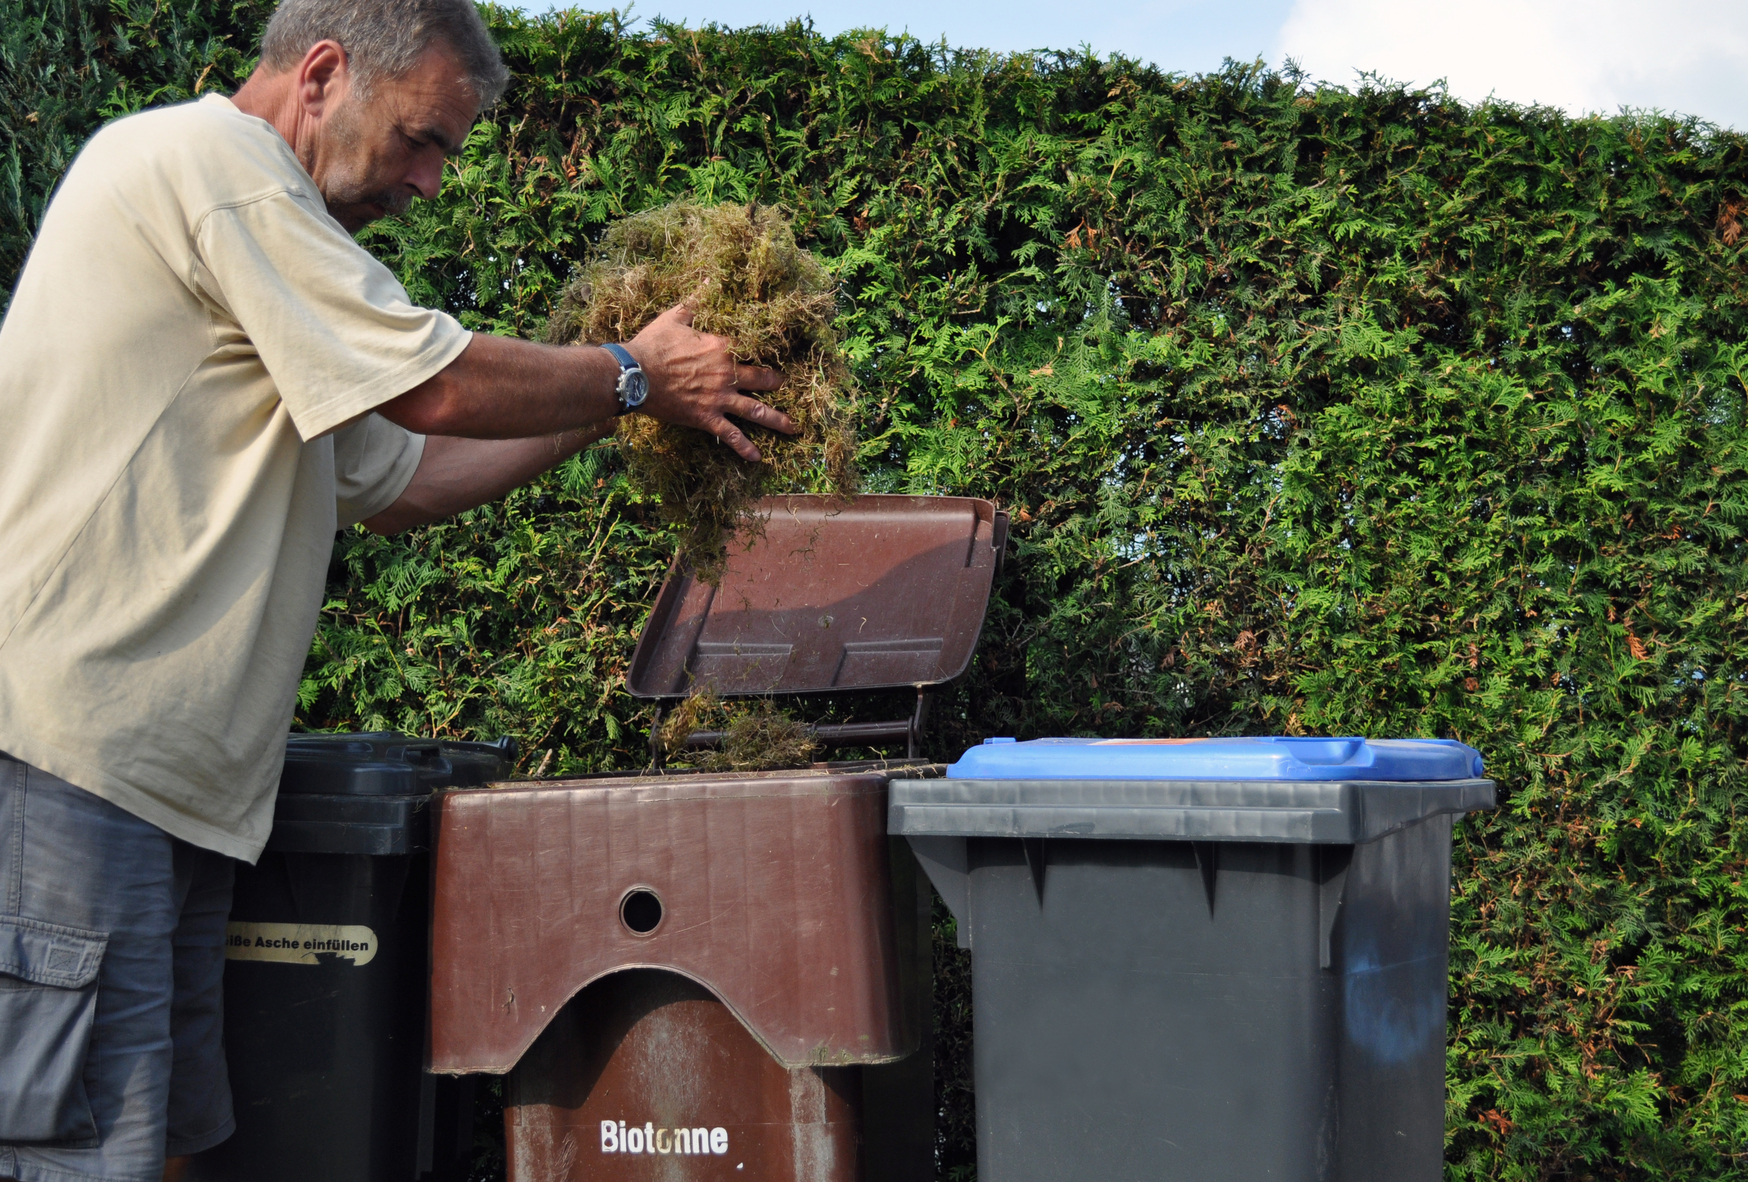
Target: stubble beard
[353,195]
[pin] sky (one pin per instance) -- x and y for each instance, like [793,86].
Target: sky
[1686,56]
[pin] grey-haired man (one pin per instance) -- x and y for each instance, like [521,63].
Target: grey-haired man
[201,375]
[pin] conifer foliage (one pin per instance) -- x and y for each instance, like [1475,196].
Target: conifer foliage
[1318,410]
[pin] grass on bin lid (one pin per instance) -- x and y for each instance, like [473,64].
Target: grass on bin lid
[775,303]
[758,737]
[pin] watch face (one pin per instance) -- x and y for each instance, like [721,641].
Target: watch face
[634,387]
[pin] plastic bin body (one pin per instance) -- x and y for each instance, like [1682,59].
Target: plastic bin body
[1153,999]
[783,996]
[648,1076]
[327,969]
[780,978]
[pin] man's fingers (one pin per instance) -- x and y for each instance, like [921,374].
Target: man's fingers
[727,432]
[756,377]
[754,411]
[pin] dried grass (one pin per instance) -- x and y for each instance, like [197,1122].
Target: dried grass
[757,736]
[775,303]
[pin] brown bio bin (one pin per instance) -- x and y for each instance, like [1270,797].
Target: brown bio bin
[715,976]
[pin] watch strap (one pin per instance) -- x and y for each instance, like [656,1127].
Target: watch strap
[623,356]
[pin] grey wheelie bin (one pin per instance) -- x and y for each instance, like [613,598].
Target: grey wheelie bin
[1202,959]
[327,970]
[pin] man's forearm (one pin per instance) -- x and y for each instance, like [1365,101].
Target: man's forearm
[510,390]
[506,410]
[505,389]
[455,475]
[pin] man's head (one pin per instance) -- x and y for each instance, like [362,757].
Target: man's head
[372,94]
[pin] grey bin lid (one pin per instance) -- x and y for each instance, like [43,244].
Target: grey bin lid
[1313,812]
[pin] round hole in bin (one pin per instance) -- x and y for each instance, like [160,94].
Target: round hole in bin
[640,910]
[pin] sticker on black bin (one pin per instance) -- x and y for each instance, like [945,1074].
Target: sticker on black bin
[300,943]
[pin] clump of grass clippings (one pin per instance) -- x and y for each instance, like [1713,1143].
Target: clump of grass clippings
[757,737]
[774,303]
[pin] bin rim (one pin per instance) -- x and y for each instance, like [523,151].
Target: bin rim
[1346,812]
[385,764]
[885,769]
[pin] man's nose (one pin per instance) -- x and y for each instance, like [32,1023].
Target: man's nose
[427,177]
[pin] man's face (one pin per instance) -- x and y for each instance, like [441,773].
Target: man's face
[376,154]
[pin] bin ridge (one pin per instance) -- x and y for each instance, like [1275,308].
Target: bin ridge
[767,893]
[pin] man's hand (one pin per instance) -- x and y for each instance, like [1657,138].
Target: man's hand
[695,382]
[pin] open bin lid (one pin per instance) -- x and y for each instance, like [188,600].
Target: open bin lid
[1338,791]
[868,593]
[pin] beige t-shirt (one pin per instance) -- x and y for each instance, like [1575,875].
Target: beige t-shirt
[189,339]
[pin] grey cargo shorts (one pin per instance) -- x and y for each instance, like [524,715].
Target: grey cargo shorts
[111,967]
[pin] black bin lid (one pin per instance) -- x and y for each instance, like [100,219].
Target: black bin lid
[387,763]
[368,793]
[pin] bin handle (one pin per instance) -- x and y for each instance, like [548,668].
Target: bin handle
[1332,866]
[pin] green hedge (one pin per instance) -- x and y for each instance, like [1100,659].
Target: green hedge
[1318,411]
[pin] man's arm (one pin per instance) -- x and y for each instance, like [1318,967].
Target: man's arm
[456,474]
[507,410]
[506,389]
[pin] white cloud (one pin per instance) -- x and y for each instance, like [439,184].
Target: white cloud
[1689,56]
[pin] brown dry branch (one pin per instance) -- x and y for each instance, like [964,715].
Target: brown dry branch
[774,303]
[1730,213]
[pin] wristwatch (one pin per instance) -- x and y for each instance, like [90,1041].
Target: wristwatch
[633,385]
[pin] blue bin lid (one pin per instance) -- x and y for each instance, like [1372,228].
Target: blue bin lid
[1256,758]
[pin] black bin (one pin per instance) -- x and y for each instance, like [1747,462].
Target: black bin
[327,970]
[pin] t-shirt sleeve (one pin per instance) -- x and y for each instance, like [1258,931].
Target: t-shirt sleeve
[334,328]
[374,461]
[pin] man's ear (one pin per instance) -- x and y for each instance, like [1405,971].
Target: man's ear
[323,77]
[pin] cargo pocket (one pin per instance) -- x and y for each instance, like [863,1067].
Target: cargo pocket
[48,1003]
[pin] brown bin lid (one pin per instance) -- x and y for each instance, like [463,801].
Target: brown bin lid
[874,592]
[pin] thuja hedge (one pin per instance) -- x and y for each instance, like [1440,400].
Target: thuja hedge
[1318,411]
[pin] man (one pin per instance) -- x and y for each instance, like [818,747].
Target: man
[201,375]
